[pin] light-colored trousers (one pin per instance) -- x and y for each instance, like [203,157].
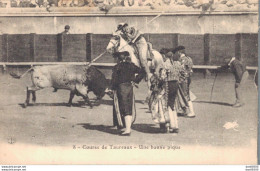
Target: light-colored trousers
[142,48]
[238,88]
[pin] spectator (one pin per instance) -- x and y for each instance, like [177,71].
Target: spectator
[53,3]
[64,3]
[2,5]
[42,3]
[14,3]
[107,5]
[6,3]
[66,31]
[81,3]
[27,3]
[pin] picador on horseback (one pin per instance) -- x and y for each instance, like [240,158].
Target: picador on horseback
[134,37]
[130,39]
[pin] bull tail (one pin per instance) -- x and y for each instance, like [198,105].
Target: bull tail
[16,76]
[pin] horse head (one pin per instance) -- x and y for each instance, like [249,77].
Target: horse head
[114,43]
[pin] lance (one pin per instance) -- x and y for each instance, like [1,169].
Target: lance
[155,18]
[99,56]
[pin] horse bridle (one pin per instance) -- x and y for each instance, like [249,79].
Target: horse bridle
[115,44]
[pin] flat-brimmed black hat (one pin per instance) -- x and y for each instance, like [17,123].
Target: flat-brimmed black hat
[121,55]
[164,51]
[121,26]
[178,48]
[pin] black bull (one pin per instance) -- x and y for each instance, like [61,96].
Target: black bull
[80,80]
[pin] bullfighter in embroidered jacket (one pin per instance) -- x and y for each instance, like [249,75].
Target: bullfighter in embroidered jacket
[187,63]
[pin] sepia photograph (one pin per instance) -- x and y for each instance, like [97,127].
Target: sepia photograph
[105,82]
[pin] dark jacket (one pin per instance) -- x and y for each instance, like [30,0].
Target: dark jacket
[125,72]
[238,69]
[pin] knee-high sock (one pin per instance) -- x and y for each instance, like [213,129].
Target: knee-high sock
[173,118]
[128,123]
[192,113]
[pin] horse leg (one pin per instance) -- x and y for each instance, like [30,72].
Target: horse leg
[72,94]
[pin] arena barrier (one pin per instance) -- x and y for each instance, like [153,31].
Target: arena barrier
[4,65]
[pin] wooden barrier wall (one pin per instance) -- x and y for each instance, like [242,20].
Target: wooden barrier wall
[207,49]
[45,48]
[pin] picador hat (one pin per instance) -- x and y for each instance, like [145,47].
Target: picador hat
[121,26]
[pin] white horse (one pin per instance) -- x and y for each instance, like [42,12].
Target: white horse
[118,44]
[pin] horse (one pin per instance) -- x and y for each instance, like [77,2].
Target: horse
[118,44]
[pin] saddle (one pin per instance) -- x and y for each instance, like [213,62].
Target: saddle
[150,55]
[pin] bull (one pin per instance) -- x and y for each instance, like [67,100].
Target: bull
[79,80]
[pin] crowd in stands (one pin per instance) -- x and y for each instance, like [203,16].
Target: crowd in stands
[108,4]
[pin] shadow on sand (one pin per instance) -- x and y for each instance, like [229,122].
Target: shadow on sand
[82,104]
[144,128]
[147,128]
[55,104]
[217,103]
[101,128]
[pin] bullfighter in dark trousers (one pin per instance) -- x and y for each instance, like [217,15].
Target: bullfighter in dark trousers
[123,78]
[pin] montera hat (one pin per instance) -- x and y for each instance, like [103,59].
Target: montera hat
[121,55]
[178,48]
[169,54]
[67,27]
[164,51]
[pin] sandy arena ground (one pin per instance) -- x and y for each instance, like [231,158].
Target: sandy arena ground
[50,122]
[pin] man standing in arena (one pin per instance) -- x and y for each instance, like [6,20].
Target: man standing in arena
[187,63]
[123,78]
[241,74]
